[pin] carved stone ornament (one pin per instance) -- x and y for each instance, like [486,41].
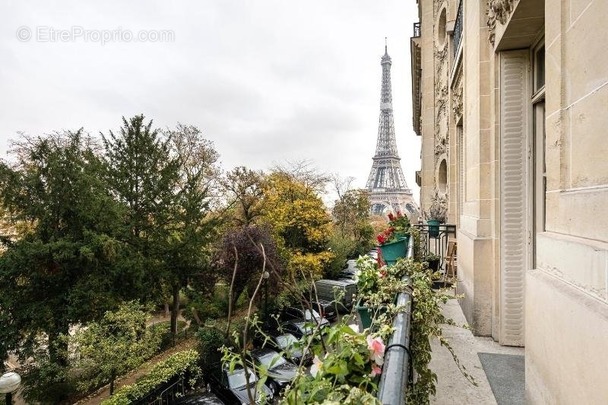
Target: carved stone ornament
[441,145]
[457,103]
[498,10]
[441,53]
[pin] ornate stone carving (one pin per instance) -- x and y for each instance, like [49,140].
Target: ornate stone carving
[441,53]
[498,10]
[457,102]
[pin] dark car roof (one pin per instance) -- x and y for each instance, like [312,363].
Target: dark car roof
[207,398]
[262,351]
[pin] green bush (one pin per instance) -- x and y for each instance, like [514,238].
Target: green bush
[181,363]
[48,383]
[210,339]
[164,328]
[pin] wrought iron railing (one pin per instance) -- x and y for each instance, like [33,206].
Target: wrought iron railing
[416,29]
[458,28]
[166,394]
[396,372]
[434,239]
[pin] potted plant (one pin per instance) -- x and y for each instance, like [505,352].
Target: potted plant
[393,240]
[438,212]
[433,261]
[377,288]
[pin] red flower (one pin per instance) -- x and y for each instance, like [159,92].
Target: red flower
[391,217]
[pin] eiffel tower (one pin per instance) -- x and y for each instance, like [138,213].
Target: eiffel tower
[386,182]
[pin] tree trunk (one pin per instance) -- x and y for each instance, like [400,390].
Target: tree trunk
[112,378]
[175,310]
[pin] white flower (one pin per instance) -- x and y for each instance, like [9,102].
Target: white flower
[316,366]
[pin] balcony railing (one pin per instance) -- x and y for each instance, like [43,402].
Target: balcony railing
[435,240]
[458,28]
[416,29]
[396,373]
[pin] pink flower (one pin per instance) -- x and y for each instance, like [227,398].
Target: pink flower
[376,370]
[376,347]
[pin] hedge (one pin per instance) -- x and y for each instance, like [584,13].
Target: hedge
[177,364]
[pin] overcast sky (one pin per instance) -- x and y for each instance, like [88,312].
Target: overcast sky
[268,81]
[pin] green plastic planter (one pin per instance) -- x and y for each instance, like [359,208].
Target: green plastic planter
[433,227]
[393,251]
[365,315]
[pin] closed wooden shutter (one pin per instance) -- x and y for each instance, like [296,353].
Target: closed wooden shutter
[514,196]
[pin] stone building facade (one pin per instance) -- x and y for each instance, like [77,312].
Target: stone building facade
[511,101]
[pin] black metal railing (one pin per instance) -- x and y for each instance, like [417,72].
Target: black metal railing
[396,372]
[166,394]
[458,28]
[416,30]
[434,239]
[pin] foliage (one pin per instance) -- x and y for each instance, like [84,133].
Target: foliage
[426,319]
[179,364]
[167,338]
[206,306]
[342,248]
[300,224]
[47,382]
[351,359]
[119,342]
[352,221]
[66,269]
[241,247]
[439,207]
[142,174]
[245,191]
[192,225]
[210,340]
[398,226]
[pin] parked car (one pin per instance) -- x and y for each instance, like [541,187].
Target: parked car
[305,314]
[342,292]
[298,327]
[231,387]
[280,371]
[287,344]
[326,308]
[350,271]
[207,398]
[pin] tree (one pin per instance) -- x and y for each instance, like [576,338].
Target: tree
[117,343]
[352,219]
[245,189]
[299,221]
[142,173]
[192,224]
[241,248]
[62,271]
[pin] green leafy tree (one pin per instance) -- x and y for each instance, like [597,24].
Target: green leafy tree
[62,270]
[142,173]
[117,343]
[352,220]
[193,223]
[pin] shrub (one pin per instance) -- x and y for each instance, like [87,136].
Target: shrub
[183,364]
[210,339]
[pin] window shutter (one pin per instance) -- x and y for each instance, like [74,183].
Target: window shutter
[514,194]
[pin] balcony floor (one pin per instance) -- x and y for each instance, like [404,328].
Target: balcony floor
[453,387]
